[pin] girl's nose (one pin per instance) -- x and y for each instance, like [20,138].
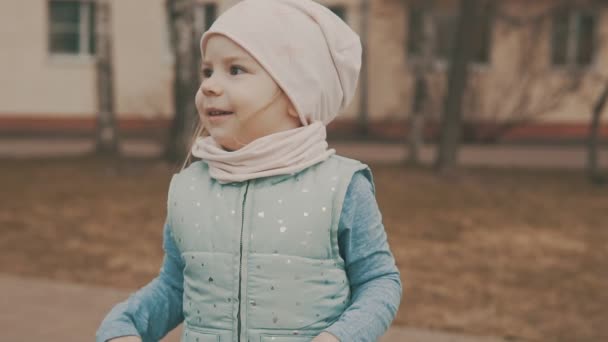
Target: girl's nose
[210,87]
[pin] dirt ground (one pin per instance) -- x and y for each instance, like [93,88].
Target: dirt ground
[515,253]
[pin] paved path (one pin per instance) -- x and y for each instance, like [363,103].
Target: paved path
[528,156]
[42,310]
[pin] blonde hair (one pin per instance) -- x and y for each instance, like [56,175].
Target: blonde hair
[198,132]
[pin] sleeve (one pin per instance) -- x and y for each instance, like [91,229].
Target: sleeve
[374,278]
[154,310]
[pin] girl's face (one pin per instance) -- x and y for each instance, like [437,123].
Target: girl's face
[238,101]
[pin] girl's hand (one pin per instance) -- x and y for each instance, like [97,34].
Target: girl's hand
[126,339]
[325,337]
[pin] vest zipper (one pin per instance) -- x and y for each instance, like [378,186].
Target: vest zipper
[238,315]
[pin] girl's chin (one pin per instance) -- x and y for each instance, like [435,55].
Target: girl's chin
[226,142]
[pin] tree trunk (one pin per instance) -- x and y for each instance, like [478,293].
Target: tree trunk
[362,119]
[416,126]
[450,133]
[593,171]
[422,68]
[185,51]
[106,131]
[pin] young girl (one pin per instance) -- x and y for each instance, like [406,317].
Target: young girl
[270,236]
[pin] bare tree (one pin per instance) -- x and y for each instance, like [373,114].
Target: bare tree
[421,70]
[362,118]
[593,170]
[184,44]
[106,131]
[518,101]
[450,131]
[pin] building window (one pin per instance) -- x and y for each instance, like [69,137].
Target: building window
[444,27]
[71,27]
[338,10]
[573,37]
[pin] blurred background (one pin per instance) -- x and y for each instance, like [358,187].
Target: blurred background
[484,123]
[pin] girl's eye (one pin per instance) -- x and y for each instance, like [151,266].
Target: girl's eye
[234,70]
[207,72]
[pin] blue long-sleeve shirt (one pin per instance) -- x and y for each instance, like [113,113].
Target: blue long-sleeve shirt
[156,309]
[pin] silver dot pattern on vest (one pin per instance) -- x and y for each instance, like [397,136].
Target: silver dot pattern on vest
[299,236]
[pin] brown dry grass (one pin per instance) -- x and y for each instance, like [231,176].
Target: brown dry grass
[502,252]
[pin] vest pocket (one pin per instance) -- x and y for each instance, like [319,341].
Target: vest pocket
[190,335]
[286,338]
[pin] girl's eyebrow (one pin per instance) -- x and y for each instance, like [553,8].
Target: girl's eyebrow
[226,60]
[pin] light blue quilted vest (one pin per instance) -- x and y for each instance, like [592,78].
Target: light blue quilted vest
[261,256]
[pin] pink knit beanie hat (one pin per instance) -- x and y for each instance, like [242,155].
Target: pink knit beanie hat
[308,50]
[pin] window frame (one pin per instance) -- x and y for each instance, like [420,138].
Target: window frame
[572,44]
[446,14]
[86,32]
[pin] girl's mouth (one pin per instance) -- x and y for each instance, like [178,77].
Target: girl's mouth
[218,113]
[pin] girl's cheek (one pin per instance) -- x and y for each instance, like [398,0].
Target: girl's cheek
[198,101]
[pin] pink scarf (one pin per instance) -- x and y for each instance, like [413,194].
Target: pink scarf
[286,152]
